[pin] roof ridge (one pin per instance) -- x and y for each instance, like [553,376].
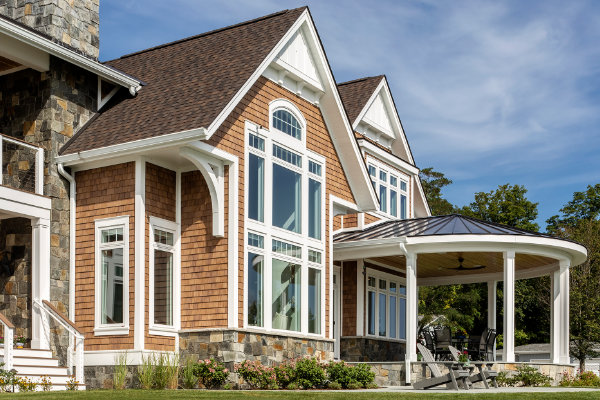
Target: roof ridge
[360,79]
[252,21]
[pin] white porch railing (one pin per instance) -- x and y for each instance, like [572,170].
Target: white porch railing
[48,309]
[9,333]
[21,165]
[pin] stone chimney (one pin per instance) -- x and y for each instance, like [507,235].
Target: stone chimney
[72,22]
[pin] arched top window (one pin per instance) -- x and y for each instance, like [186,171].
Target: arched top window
[284,121]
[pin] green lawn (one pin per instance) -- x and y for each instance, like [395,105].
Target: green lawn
[227,395]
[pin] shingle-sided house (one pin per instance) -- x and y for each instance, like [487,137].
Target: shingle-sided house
[222,196]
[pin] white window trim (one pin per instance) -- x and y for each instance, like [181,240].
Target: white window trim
[387,277]
[400,176]
[100,225]
[270,232]
[169,226]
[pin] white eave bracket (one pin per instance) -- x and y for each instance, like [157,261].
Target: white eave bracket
[213,172]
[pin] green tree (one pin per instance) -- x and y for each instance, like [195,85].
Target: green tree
[433,182]
[579,221]
[506,205]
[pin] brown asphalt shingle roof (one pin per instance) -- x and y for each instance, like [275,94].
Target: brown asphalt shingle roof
[356,93]
[188,82]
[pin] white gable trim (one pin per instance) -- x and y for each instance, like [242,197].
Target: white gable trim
[338,124]
[400,146]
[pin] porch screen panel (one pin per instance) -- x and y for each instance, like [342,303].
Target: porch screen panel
[255,289]
[286,295]
[112,286]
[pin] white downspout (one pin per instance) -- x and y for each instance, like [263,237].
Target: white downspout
[72,195]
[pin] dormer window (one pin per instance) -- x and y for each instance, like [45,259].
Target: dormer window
[285,122]
[392,188]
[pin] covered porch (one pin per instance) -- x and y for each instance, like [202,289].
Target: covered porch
[446,250]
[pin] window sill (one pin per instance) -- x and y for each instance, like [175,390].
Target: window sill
[110,330]
[167,331]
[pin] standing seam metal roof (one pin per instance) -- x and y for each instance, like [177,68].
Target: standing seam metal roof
[453,224]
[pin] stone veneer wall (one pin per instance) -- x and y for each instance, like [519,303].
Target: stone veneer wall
[388,373]
[74,23]
[46,108]
[228,346]
[364,349]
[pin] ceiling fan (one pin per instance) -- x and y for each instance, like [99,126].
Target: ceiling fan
[463,268]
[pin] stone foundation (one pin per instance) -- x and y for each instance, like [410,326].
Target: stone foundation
[101,377]
[388,373]
[364,349]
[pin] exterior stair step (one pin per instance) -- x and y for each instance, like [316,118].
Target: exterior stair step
[34,361]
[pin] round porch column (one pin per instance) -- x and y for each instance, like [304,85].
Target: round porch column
[411,311]
[40,285]
[508,350]
[492,287]
[564,314]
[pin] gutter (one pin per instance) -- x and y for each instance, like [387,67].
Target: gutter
[72,204]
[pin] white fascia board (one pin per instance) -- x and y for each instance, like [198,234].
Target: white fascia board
[28,56]
[348,152]
[32,39]
[391,159]
[24,204]
[134,147]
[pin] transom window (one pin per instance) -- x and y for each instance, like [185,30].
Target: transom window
[284,244]
[284,121]
[386,307]
[392,189]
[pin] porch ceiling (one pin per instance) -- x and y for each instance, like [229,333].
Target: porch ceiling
[7,64]
[432,265]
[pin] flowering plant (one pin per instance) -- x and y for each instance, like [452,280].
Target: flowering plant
[20,339]
[211,373]
[257,375]
[463,357]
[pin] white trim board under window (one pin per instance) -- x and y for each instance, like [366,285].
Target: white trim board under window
[164,237]
[112,276]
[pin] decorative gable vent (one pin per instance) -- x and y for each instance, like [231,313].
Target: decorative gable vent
[378,117]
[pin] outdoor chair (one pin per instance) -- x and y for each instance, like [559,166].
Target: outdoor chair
[429,341]
[483,375]
[443,339]
[489,346]
[477,352]
[452,378]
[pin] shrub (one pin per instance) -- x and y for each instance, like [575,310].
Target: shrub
[354,386]
[26,385]
[146,372]
[503,380]
[530,376]
[120,373]
[587,378]
[293,386]
[211,373]
[310,373]
[285,373]
[334,385]
[362,374]
[8,379]
[257,375]
[46,383]
[190,380]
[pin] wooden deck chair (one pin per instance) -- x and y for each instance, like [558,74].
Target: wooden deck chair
[454,376]
[483,375]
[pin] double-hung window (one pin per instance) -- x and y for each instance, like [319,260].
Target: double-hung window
[112,276]
[162,289]
[386,307]
[285,187]
[392,188]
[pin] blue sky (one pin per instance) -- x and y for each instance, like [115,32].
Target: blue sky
[488,92]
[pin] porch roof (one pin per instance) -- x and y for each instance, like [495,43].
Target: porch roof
[453,224]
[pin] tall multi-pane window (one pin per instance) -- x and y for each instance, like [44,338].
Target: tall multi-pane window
[392,190]
[162,259]
[386,307]
[285,183]
[112,276]
[112,294]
